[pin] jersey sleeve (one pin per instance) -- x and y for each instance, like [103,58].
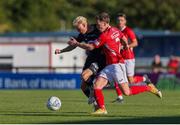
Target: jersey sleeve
[99,42]
[131,34]
[79,38]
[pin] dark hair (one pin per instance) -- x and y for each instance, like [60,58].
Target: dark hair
[121,15]
[103,17]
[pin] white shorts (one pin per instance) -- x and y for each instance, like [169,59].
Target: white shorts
[130,66]
[115,73]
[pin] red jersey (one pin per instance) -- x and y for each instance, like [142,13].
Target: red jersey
[130,35]
[110,40]
[173,66]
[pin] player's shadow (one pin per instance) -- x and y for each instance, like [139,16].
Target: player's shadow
[139,120]
[45,114]
[107,119]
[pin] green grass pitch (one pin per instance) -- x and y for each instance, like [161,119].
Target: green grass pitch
[29,106]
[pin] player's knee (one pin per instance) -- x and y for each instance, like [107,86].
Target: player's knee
[127,93]
[86,74]
[85,77]
[97,85]
[131,79]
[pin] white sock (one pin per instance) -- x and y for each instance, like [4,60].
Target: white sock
[144,79]
[120,97]
[95,103]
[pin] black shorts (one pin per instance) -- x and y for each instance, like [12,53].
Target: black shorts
[100,60]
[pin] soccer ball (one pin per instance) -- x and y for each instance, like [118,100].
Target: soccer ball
[54,103]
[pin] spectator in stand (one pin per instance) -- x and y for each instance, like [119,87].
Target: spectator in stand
[156,64]
[173,64]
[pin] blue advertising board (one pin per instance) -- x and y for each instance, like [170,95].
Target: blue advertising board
[39,81]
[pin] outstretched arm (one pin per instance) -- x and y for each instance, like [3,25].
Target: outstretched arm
[73,42]
[86,46]
[66,49]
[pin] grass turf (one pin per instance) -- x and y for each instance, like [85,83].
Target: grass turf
[29,106]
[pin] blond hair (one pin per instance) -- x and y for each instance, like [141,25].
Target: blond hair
[79,20]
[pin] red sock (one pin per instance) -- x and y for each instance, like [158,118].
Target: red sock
[138,79]
[99,97]
[139,89]
[118,90]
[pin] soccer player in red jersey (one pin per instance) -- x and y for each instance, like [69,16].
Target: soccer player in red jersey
[173,64]
[128,55]
[111,39]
